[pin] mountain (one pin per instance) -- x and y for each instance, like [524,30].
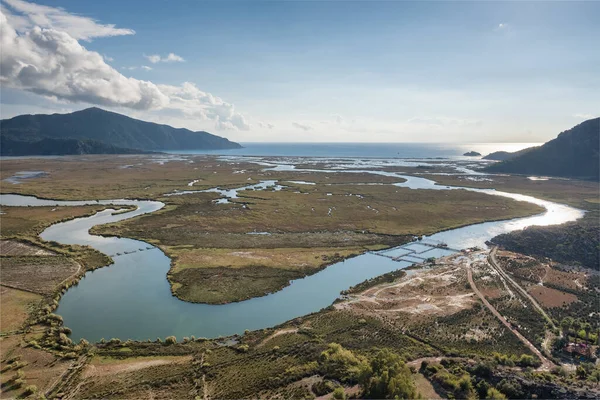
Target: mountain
[108,132]
[506,155]
[573,154]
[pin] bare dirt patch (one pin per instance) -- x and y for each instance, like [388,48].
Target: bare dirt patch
[16,248]
[277,333]
[427,292]
[104,367]
[549,297]
[37,274]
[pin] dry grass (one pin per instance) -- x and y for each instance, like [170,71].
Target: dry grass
[16,305]
[16,248]
[549,297]
[106,366]
[286,258]
[41,369]
[37,274]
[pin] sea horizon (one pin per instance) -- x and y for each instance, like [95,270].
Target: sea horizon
[361,149]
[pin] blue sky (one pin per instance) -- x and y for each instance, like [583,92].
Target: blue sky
[314,71]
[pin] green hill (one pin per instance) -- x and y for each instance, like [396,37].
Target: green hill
[117,132]
[573,154]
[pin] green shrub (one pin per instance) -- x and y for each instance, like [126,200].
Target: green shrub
[29,390]
[339,393]
[339,363]
[495,394]
[387,377]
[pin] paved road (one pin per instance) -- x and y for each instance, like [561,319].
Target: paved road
[546,364]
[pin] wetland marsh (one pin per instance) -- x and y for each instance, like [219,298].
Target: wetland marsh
[132,299]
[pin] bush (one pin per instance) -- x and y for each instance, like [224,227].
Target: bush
[511,388]
[339,393]
[170,340]
[29,390]
[64,339]
[322,388]
[387,377]
[243,348]
[339,363]
[495,394]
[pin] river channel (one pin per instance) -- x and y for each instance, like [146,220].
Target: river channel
[131,298]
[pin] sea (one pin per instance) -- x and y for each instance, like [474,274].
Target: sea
[364,150]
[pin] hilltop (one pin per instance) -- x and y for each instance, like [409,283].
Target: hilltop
[573,154]
[96,131]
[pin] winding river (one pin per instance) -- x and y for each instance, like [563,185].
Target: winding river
[131,299]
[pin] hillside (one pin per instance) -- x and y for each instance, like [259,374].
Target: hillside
[506,155]
[56,147]
[573,154]
[114,130]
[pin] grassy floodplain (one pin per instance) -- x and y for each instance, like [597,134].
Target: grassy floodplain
[334,350]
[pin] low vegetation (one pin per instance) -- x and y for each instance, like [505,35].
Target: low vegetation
[574,243]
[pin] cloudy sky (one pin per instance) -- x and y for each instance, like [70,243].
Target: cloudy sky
[310,71]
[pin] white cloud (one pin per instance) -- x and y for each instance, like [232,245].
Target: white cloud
[53,64]
[146,68]
[27,15]
[153,58]
[194,102]
[304,127]
[107,58]
[129,68]
[583,116]
[171,57]
[265,125]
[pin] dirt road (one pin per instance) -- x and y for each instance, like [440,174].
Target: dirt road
[494,263]
[546,364]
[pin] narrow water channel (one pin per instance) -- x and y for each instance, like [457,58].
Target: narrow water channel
[131,298]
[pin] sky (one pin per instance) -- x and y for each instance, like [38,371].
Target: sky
[310,71]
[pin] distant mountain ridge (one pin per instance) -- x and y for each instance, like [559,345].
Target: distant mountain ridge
[99,131]
[506,155]
[573,154]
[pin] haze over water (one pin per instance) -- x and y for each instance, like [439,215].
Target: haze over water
[370,150]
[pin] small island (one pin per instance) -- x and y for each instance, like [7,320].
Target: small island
[472,154]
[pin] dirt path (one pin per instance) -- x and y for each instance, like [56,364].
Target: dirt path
[72,275]
[546,364]
[494,263]
[279,332]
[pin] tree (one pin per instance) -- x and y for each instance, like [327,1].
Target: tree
[565,325]
[576,326]
[387,377]
[587,328]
